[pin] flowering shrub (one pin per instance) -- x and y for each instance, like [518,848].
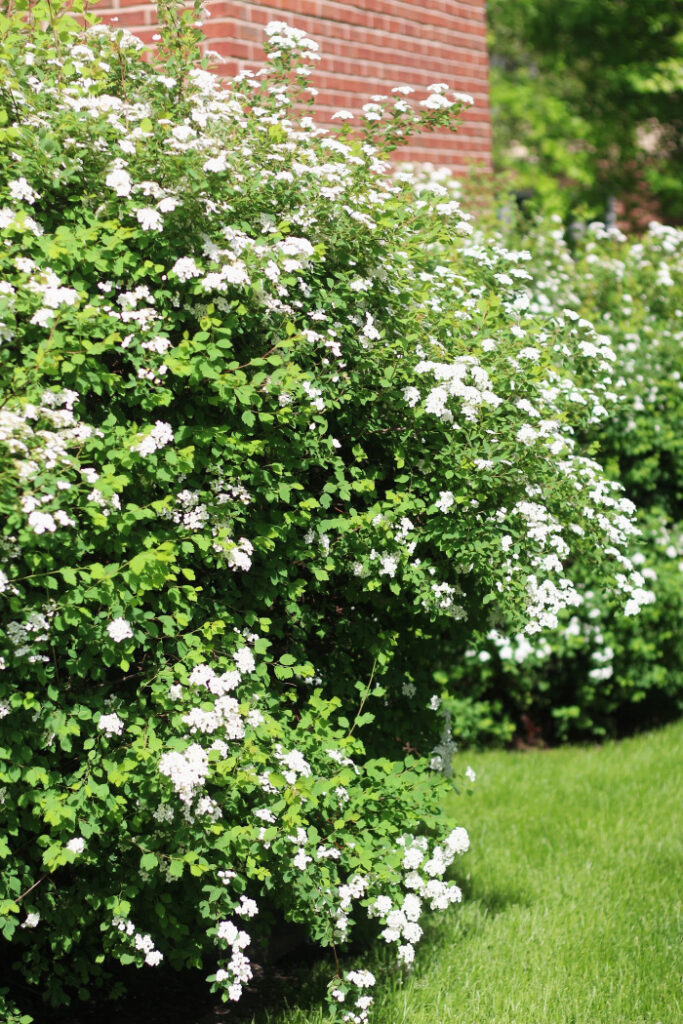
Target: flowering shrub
[264,455]
[605,669]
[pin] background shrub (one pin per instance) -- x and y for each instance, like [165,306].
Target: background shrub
[604,672]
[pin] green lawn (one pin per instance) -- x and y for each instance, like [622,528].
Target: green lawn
[572,897]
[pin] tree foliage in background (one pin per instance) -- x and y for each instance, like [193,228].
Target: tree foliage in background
[587,96]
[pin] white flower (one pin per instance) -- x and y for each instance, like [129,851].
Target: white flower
[446,501]
[160,435]
[185,268]
[168,204]
[32,920]
[526,434]
[63,519]
[406,954]
[458,841]
[293,246]
[42,522]
[186,771]
[412,932]
[22,191]
[120,629]
[228,931]
[412,858]
[295,763]
[216,164]
[235,273]
[244,659]
[388,565]
[201,675]
[362,979]
[247,907]
[301,859]
[638,598]
[111,725]
[120,181]
[239,556]
[164,812]
[182,133]
[76,845]
[436,102]
[412,907]
[382,906]
[149,219]
[529,353]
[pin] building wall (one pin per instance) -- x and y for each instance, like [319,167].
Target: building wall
[367,47]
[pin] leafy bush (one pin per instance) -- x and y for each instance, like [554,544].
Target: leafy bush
[605,672]
[266,454]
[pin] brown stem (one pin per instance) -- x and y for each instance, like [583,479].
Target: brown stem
[34,886]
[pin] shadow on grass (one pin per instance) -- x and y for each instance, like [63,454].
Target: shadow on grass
[493,900]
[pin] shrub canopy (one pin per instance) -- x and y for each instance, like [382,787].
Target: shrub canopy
[267,442]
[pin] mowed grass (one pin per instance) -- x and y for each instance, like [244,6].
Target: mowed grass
[572,897]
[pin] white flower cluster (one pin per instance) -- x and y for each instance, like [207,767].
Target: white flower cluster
[186,769]
[454,376]
[360,980]
[37,449]
[27,635]
[158,437]
[140,942]
[203,675]
[446,501]
[224,716]
[293,763]
[238,554]
[20,190]
[423,879]
[119,630]
[110,725]
[238,970]
[44,522]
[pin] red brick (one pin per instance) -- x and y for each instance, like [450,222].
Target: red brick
[367,49]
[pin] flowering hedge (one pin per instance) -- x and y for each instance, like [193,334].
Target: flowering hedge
[603,670]
[265,451]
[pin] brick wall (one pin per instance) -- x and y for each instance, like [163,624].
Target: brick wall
[367,47]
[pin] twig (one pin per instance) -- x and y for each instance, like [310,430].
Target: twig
[34,886]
